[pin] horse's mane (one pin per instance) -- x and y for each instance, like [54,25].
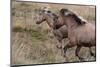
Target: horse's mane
[77,19]
[70,13]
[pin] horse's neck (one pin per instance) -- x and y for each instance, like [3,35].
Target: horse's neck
[71,23]
[50,21]
[60,21]
[53,21]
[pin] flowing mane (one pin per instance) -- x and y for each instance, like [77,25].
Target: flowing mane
[78,19]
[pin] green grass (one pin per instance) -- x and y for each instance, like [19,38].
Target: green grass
[35,34]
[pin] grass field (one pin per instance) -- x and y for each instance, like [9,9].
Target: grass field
[35,44]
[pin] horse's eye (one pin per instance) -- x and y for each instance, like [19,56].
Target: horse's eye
[49,11]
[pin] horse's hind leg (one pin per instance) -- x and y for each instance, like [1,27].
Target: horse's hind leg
[92,54]
[77,52]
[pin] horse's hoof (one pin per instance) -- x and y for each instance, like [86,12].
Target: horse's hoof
[92,54]
[81,59]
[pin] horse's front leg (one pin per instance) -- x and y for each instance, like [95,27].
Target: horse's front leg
[77,52]
[68,45]
[59,38]
[64,51]
[59,46]
[62,48]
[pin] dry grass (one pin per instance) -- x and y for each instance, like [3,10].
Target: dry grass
[35,44]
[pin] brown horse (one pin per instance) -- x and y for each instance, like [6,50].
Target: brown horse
[54,22]
[80,33]
[52,19]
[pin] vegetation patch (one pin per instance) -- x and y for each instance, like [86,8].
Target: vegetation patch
[34,33]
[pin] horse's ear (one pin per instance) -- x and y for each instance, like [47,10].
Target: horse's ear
[65,12]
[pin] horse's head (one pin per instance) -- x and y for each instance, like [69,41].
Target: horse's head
[46,15]
[40,16]
[69,15]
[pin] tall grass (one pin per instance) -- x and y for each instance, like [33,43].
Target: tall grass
[31,43]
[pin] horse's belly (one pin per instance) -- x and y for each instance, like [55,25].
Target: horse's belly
[82,38]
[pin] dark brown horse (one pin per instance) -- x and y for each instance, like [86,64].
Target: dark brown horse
[80,33]
[54,22]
